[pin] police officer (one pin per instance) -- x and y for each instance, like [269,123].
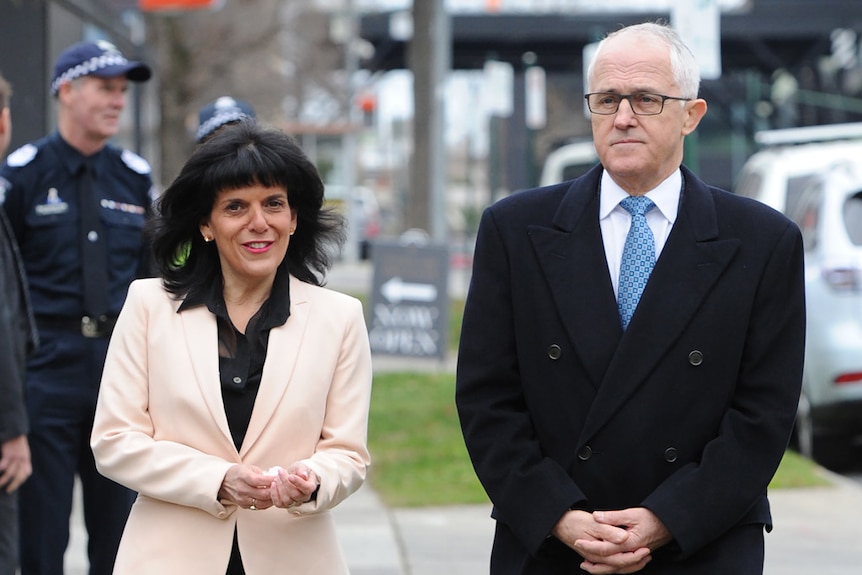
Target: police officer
[77,206]
[220,112]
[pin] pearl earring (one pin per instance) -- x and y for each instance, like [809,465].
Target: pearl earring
[208,239]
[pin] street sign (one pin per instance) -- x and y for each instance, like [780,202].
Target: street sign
[699,24]
[409,312]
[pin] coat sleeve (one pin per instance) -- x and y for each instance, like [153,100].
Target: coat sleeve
[529,490]
[13,414]
[703,500]
[13,341]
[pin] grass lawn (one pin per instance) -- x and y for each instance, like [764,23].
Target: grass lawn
[418,452]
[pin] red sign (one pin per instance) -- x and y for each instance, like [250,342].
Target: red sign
[177,5]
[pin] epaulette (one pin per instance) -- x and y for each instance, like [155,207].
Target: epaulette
[22,156]
[135,162]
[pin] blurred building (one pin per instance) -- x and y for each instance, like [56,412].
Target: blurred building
[783,63]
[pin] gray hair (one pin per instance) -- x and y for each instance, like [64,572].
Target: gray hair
[683,66]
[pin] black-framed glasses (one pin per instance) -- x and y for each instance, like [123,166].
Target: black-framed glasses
[642,103]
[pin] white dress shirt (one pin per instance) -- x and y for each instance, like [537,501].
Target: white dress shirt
[615,220]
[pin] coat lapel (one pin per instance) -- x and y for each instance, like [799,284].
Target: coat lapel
[201,337]
[281,357]
[691,262]
[578,276]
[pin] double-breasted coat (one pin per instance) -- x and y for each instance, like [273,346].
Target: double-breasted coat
[161,430]
[688,412]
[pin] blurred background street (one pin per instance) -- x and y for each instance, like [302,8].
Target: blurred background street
[415,134]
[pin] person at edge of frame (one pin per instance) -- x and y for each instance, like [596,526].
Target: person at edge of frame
[18,338]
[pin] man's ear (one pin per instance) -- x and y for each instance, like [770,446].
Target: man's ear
[63,89]
[694,112]
[5,130]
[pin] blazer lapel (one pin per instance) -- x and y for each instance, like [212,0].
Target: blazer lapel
[573,261]
[201,337]
[691,262]
[283,349]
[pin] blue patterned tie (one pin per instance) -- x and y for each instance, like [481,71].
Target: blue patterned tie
[638,257]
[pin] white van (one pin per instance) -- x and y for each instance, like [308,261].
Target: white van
[819,185]
[568,162]
[792,158]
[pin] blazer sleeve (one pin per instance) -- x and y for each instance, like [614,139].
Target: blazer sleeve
[529,490]
[341,456]
[123,438]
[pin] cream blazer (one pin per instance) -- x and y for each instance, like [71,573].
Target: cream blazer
[160,429]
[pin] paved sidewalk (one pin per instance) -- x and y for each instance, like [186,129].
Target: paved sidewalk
[817,532]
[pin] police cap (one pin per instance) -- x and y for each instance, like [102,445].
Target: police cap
[99,58]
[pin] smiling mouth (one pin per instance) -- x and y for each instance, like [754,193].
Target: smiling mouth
[257,246]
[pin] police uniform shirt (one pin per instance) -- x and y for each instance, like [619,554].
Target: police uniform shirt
[41,201]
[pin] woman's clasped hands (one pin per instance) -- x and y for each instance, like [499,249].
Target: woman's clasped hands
[250,487]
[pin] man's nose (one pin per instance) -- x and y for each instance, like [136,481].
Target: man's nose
[625,113]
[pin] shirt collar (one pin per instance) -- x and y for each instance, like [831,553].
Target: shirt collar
[665,196]
[72,159]
[276,308]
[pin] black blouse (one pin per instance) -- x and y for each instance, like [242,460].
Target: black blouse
[241,356]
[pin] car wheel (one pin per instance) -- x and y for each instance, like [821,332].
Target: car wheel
[803,433]
[832,451]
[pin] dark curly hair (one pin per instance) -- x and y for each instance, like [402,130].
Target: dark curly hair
[240,155]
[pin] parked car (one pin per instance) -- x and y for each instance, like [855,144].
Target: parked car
[364,214]
[819,186]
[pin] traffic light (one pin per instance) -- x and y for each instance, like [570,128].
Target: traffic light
[367,102]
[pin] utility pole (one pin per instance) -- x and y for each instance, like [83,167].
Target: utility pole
[351,248]
[430,60]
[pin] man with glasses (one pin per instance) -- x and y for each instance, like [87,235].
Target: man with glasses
[631,353]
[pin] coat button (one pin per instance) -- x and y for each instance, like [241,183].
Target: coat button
[555,351]
[585,453]
[695,358]
[670,454]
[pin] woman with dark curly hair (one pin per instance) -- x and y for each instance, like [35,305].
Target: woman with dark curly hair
[236,391]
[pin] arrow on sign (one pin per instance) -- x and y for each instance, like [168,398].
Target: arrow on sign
[396,290]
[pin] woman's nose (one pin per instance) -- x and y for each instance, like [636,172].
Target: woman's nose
[258,220]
